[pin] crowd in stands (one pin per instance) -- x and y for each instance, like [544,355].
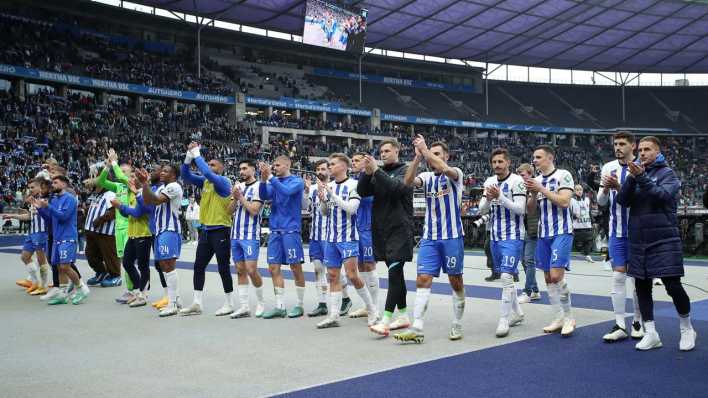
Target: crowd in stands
[77,131]
[65,48]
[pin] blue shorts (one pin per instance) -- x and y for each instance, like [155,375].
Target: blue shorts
[63,252]
[366,247]
[168,246]
[337,253]
[285,248]
[36,242]
[317,250]
[618,248]
[554,252]
[446,254]
[506,255]
[244,250]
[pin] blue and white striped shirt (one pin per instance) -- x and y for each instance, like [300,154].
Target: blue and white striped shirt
[98,206]
[167,214]
[37,223]
[503,223]
[619,215]
[319,222]
[342,226]
[554,220]
[443,203]
[247,226]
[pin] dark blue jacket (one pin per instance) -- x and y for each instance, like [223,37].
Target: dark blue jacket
[654,240]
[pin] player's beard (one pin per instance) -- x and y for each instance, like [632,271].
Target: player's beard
[322,177]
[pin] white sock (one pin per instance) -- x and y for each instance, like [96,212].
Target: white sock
[515,306]
[83,287]
[335,301]
[422,295]
[635,300]
[554,299]
[619,296]
[279,298]
[373,284]
[33,271]
[172,285]
[564,296]
[198,295]
[44,275]
[259,294]
[300,290]
[649,327]
[243,295]
[458,305]
[320,281]
[345,284]
[165,292]
[229,299]
[507,286]
[685,322]
[366,298]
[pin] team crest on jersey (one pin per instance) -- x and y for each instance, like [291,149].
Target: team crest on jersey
[439,193]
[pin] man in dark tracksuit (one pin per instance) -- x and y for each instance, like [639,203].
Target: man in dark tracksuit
[651,192]
[391,226]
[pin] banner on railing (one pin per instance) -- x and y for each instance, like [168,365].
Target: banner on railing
[307,105]
[36,74]
[480,125]
[393,81]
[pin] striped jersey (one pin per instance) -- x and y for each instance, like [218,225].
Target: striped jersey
[37,223]
[99,204]
[342,226]
[443,203]
[580,208]
[246,226]
[167,214]
[619,215]
[503,223]
[554,220]
[319,222]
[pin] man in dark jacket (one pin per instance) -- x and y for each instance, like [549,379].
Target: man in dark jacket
[391,227]
[651,192]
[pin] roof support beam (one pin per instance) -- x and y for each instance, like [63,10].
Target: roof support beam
[575,66]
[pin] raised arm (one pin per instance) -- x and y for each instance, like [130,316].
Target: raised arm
[222,185]
[291,187]
[350,206]
[191,178]
[625,196]
[102,181]
[120,176]
[664,189]
[409,179]
[64,209]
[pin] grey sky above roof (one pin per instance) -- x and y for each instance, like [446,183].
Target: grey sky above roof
[602,35]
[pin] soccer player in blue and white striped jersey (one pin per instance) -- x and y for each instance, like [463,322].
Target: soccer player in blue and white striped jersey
[100,239]
[367,262]
[505,201]
[442,246]
[35,243]
[168,242]
[318,234]
[550,196]
[613,175]
[340,201]
[246,205]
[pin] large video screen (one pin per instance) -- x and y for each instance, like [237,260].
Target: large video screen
[327,25]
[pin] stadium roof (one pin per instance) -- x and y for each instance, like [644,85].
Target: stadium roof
[602,35]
